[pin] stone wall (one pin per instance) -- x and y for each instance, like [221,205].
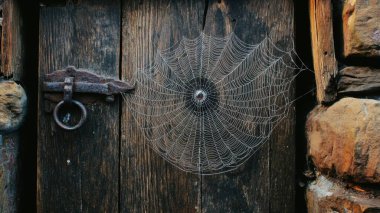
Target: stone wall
[344,133]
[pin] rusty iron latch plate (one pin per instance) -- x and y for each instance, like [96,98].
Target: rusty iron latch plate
[84,82]
[72,80]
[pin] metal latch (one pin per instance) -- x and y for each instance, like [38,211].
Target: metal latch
[72,80]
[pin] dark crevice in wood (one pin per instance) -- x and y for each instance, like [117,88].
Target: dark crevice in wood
[337,28]
[120,105]
[58,3]
[362,61]
[305,81]
[25,73]
[205,14]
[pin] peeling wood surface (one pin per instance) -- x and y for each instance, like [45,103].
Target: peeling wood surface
[78,171]
[359,80]
[325,64]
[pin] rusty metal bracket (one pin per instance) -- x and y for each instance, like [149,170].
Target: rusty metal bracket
[71,80]
[85,82]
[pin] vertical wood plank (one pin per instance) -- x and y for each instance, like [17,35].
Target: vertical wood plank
[265,183]
[9,151]
[11,41]
[78,171]
[148,183]
[282,165]
[325,64]
[12,60]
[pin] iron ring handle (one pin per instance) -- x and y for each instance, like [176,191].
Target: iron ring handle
[81,121]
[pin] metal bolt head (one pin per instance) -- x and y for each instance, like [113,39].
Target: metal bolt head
[110,98]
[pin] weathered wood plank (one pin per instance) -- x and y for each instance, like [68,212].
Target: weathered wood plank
[78,171]
[9,151]
[282,143]
[12,60]
[148,183]
[11,41]
[359,80]
[325,64]
[265,182]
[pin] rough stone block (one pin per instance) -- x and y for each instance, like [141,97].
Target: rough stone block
[344,139]
[328,195]
[361,28]
[12,106]
[359,80]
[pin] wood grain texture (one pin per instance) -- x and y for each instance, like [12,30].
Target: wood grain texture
[325,64]
[86,35]
[9,151]
[11,40]
[265,182]
[359,80]
[12,60]
[78,171]
[148,182]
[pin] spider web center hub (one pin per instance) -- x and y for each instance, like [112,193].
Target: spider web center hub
[200,96]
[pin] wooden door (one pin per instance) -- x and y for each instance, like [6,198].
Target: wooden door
[106,165]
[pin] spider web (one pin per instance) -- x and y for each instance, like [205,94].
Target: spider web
[207,104]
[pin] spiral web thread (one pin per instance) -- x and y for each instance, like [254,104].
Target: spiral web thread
[207,104]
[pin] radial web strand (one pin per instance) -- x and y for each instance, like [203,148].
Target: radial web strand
[207,104]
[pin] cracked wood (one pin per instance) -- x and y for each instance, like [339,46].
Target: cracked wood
[325,64]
